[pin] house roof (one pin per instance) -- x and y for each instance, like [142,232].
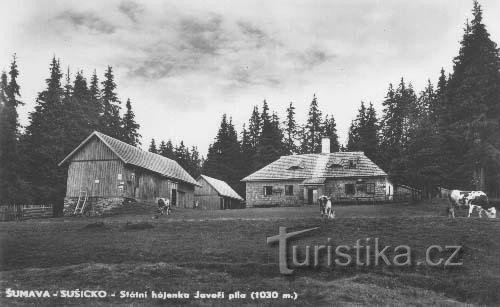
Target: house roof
[135,156]
[314,181]
[331,165]
[221,187]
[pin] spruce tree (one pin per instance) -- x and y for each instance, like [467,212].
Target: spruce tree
[169,150]
[330,131]
[111,121]
[291,132]
[95,104]
[79,116]
[370,134]
[162,149]
[254,127]
[270,145]
[45,143]
[313,127]
[471,125]
[152,147]
[12,188]
[355,140]
[224,156]
[194,162]
[392,133]
[130,127]
[247,152]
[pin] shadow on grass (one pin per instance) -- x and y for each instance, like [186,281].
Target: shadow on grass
[137,226]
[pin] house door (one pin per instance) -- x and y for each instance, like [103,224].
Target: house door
[174,197]
[312,196]
[181,199]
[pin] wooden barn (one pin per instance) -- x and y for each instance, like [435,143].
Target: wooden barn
[108,172]
[297,180]
[214,194]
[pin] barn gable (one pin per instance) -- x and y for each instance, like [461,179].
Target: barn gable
[130,155]
[94,149]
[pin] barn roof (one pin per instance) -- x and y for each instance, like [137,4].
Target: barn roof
[329,165]
[221,187]
[135,156]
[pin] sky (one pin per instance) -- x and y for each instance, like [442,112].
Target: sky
[185,63]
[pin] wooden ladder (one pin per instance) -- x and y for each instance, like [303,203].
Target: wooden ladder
[82,201]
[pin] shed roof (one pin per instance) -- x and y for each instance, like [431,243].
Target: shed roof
[221,187]
[330,165]
[135,156]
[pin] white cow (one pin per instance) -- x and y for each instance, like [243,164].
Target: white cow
[326,207]
[472,200]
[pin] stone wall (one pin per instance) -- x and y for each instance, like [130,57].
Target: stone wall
[335,188]
[95,206]
[255,194]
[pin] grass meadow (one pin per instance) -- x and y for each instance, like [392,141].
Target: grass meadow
[211,251]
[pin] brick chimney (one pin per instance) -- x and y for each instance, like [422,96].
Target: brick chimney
[325,144]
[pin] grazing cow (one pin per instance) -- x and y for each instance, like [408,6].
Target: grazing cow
[326,208]
[163,206]
[457,199]
[472,200]
[491,212]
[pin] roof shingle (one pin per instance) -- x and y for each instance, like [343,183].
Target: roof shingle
[222,187]
[135,156]
[332,165]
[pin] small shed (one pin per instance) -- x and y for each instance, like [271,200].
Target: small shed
[215,194]
[107,172]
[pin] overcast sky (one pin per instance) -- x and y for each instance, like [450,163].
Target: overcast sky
[184,63]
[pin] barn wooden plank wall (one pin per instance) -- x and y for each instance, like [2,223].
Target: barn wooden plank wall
[207,196]
[209,202]
[95,168]
[94,150]
[152,186]
[98,178]
[185,195]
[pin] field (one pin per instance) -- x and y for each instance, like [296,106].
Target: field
[227,251]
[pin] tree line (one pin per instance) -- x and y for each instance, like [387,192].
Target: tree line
[264,139]
[446,135]
[187,157]
[66,111]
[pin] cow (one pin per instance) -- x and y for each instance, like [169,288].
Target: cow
[326,208]
[163,207]
[471,200]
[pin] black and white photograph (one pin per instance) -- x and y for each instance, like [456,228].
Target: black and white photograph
[249,153]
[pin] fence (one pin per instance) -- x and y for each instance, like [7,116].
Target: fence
[24,212]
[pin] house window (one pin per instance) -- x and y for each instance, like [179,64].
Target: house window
[335,165]
[361,187]
[289,190]
[268,190]
[350,189]
[370,188]
[352,164]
